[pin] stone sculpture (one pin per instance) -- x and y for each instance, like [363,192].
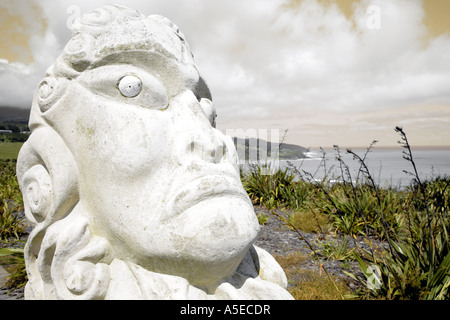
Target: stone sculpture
[132,191]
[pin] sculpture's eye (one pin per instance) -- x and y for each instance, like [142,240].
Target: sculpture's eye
[130,86]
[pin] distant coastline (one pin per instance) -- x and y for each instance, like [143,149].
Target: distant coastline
[252,146]
[380,147]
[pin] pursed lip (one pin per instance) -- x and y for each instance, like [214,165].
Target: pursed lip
[205,187]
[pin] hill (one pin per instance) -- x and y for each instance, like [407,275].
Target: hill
[10,114]
[251,146]
[13,125]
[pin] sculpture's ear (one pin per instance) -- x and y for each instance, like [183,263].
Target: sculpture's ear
[48,177]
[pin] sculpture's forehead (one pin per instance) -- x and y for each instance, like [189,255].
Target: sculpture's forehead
[135,35]
[147,60]
[104,33]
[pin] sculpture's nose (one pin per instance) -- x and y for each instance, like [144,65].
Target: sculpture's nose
[193,131]
[193,146]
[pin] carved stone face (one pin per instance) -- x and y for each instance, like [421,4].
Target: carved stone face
[132,191]
[160,183]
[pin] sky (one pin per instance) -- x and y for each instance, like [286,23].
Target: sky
[326,72]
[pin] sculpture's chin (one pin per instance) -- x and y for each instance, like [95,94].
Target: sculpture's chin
[213,246]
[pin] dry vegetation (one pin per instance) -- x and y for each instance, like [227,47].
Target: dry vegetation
[412,224]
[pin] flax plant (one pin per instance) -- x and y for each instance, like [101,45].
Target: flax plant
[418,264]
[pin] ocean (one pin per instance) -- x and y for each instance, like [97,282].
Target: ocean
[386,165]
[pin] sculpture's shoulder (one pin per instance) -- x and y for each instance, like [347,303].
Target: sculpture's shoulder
[269,269]
[260,277]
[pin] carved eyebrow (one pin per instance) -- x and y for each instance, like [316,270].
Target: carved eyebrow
[105,81]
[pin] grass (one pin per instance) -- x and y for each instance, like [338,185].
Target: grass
[315,286]
[9,150]
[12,259]
[309,221]
[11,225]
[11,201]
[307,284]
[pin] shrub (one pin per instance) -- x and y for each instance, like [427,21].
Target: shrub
[276,190]
[360,210]
[11,201]
[417,264]
[437,195]
[336,250]
[14,262]
[414,268]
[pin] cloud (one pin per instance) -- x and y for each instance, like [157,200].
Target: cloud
[266,58]
[328,62]
[17,78]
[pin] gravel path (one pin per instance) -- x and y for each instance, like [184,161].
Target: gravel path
[8,293]
[278,239]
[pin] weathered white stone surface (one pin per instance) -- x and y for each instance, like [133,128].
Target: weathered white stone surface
[132,191]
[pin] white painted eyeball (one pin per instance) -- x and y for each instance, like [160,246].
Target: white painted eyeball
[130,86]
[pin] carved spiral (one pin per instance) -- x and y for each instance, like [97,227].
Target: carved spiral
[49,91]
[86,279]
[77,47]
[77,53]
[37,193]
[48,180]
[80,268]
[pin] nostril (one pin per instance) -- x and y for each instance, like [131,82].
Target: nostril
[200,148]
[211,153]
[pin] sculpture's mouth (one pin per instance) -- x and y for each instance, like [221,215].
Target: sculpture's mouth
[204,188]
